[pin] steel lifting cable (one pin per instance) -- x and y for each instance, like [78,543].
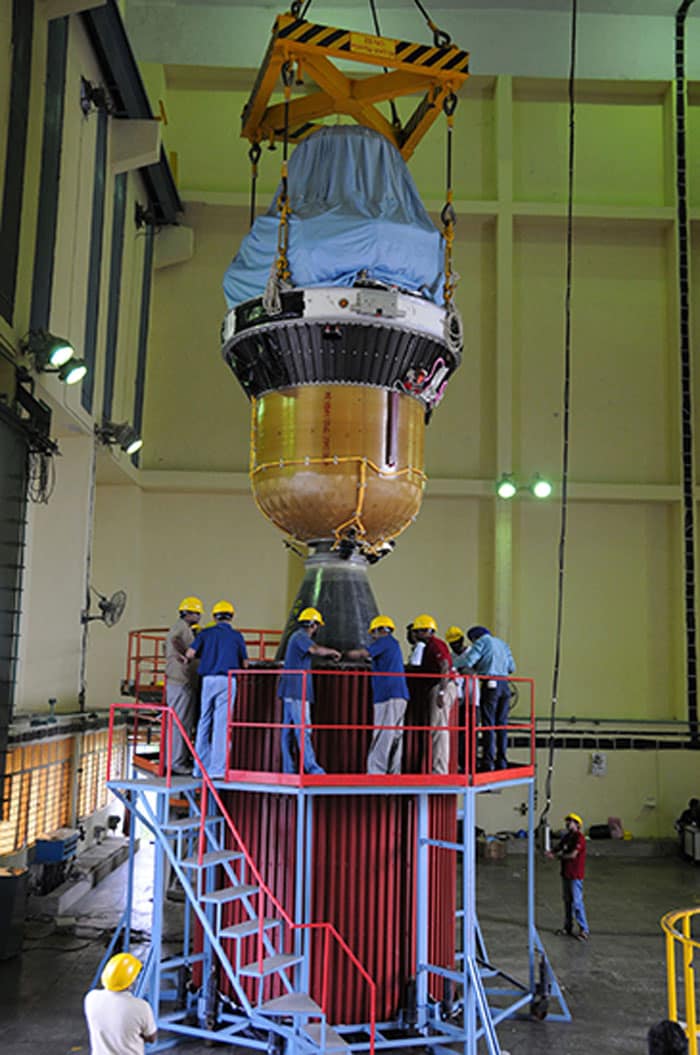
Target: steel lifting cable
[280,275]
[283,272]
[254,157]
[448,216]
[395,119]
[566,420]
[441,39]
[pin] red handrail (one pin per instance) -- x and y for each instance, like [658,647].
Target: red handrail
[209,788]
[469,728]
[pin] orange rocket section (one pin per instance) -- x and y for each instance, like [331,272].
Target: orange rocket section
[327,459]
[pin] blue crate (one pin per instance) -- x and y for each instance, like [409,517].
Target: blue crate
[60,846]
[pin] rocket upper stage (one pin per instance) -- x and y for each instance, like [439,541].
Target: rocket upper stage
[355,212]
[344,364]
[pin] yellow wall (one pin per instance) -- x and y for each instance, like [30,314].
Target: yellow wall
[58,534]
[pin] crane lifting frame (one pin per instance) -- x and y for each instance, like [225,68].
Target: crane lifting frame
[408,68]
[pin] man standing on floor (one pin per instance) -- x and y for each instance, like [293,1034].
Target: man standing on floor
[572,853]
[294,687]
[442,690]
[492,659]
[390,695]
[117,1020]
[220,649]
[181,680]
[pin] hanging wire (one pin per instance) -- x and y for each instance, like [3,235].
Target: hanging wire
[687,440]
[561,564]
[395,119]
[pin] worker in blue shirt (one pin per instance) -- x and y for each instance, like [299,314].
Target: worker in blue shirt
[297,689]
[220,649]
[492,659]
[390,695]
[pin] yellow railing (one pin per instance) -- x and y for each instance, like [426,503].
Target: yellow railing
[678,928]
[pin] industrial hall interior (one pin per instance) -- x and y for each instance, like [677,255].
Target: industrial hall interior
[349,479]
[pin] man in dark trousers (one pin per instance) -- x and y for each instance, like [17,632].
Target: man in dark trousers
[492,659]
[295,694]
[220,649]
[390,695]
[572,853]
[442,690]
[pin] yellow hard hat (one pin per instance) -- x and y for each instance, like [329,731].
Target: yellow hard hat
[424,622]
[223,607]
[574,817]
[382,620]
[120,972]
[311,615]
[453,634]
[191,604]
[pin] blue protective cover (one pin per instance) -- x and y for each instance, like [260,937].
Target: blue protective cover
[355,208]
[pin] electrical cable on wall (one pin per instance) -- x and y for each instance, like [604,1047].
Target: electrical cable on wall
[561,565]
[687,439]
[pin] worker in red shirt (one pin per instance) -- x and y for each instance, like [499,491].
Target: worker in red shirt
[442,690]
[572,853]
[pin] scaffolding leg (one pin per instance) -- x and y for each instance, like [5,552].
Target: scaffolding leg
[469,920]
[422,911]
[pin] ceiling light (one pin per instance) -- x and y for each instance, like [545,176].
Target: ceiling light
[505,488]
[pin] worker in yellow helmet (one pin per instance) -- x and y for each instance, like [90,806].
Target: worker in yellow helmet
[181,681]
[297,690]
[117,1020]
[389,693]
[442,691]
[219,648]
[572,853]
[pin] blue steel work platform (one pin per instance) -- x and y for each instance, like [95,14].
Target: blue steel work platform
[252,973]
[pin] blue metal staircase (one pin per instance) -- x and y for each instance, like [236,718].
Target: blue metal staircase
[212,877]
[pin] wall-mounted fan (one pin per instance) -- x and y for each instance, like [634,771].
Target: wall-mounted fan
[111,609]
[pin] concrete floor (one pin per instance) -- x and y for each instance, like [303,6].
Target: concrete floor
[615,985]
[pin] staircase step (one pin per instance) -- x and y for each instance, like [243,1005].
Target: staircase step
[185,824]
[248,927]
[292,1004]
[228,893]
[211,857]
[334,1041]
[270,965]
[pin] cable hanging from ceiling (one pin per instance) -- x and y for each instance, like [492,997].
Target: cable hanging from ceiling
[686,393]
[566,415]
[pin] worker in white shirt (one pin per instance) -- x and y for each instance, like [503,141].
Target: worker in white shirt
[119,1023]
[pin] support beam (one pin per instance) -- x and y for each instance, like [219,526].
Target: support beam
[59,8]
[134,144]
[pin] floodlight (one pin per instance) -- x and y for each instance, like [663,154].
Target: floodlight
[540,488]
[48,352]
[124,434]
[505,488]
[72,371]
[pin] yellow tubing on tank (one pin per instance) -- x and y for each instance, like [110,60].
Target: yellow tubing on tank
[329,459]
